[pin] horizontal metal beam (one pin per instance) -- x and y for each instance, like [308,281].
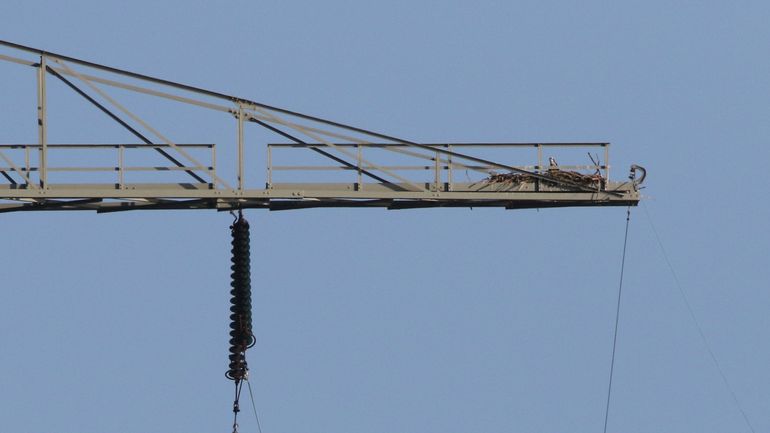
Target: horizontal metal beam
[278,205]
[107,169]
[416,167]
[86,204]
[104,146]
[475,191]
[490,144]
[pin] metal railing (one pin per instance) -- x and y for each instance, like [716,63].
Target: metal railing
[442,166]
[20,174]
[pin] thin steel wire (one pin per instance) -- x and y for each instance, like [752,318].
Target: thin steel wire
[254,406]
[617,321]
[697,323]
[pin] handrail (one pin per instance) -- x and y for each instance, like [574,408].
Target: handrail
[105,146]
[440,165]
[120,168]
[492,144]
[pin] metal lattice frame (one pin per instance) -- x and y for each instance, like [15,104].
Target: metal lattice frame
[27,187]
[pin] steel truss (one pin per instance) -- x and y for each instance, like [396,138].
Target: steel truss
[393,182]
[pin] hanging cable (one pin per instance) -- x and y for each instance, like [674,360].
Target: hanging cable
[697,323]
[617,321]
[241,335]
[254,406]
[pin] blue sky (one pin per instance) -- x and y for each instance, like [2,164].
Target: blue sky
[410,321]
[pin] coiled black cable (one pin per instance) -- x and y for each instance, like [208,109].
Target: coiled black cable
[241,336]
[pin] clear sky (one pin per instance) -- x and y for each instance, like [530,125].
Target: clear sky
[410,321]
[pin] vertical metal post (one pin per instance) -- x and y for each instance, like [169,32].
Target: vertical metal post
[437,172]
[121,179]
[607,160]
[360,161]
[26,161]
[539,164]
[240,147]
[213,171]
[360,177]
[41,122]
[269,167]
[449,168]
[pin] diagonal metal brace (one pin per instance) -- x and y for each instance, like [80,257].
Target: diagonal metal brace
[121,122]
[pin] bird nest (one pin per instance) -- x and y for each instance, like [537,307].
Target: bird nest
[558,176]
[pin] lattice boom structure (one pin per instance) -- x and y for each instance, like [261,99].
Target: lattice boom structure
[362,168]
